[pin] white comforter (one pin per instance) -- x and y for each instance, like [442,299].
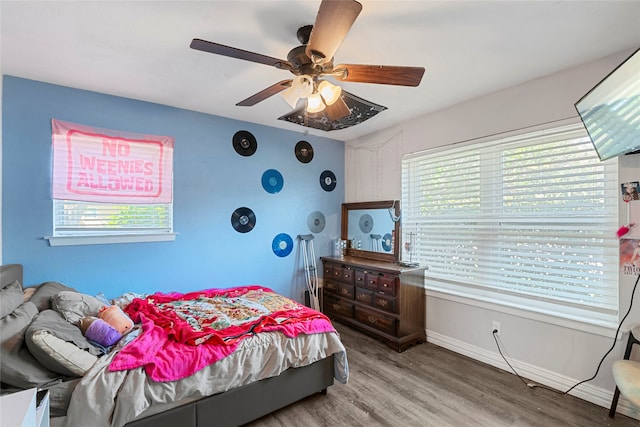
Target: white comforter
[115,398]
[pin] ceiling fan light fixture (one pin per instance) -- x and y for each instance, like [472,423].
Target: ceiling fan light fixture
[301,87]
[291,97]
[315,103]
[330,93]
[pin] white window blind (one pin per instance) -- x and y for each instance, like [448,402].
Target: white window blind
[72,218]
[533,216]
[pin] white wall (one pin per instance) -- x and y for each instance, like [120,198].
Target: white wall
[545,349]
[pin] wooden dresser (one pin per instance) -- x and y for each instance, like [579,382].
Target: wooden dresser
[379,298]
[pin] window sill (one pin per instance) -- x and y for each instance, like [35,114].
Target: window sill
[522,307]
[104,239]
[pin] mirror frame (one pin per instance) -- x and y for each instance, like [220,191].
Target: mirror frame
[385,204]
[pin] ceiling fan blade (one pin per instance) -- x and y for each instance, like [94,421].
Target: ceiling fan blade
[333,22]
[381,74]
[265,93]
[232,52]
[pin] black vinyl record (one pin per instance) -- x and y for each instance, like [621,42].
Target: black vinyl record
[327,181]
[304,151]
[244,143]
[316,222]
[243,220]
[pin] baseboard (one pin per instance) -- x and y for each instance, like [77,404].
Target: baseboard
[586,391]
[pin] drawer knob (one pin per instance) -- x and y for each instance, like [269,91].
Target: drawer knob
[372,319]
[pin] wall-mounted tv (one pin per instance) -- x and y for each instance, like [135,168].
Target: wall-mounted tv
[611,110]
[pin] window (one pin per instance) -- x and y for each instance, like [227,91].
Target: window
[528,221]
[110,186]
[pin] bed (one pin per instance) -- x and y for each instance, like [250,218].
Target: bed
[271,364]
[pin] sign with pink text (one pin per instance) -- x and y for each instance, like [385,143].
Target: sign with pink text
[97,165]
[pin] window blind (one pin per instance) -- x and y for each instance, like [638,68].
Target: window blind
[73,218]
[533,216]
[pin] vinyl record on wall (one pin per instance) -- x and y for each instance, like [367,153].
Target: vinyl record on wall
[327,180]
[304,151]
[366,223]
[282,245]
[387,243]
[244,143]
[316,222]
[243,220]
[272,181]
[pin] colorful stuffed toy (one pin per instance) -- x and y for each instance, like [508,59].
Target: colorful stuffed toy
[117,318]
[99,331]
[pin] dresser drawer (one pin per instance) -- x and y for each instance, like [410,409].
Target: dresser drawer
[328,270]
[339,288]
[360,277]
[384,302]
[364,296]
[376,320]
[337,306]
[387,283]
[371,280]
[347,274]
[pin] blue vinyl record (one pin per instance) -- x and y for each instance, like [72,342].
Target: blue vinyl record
[272,181]
[387,242]
[282,245]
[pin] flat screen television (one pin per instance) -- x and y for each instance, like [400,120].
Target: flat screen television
[611,110]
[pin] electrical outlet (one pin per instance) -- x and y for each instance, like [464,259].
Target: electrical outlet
[495,326]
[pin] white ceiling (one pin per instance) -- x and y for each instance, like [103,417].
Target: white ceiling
[140,49]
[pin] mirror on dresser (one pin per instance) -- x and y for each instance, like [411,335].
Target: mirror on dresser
[372,229]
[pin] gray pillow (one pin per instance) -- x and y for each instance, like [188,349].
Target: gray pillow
[60,358]
[11,297]
[42,297]
[18,367]
[51,321]
[73,306]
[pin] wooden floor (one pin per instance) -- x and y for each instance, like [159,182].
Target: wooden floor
[430,386]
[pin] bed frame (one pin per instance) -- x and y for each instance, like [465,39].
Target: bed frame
[237,406]
[250,402]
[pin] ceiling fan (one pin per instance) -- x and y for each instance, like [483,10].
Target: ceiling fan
[313,60]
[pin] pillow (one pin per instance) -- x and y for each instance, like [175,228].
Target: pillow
[59,355]
[60,346]
[18,367]
[73,306]
[42,297]
[11,297]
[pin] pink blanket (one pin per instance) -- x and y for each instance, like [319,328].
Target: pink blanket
[182,333]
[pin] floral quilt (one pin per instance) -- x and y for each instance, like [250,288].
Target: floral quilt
[182,333]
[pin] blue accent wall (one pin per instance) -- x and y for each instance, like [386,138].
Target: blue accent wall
[211,180]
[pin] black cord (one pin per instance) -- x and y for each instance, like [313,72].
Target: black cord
[505,359]
[615,337]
